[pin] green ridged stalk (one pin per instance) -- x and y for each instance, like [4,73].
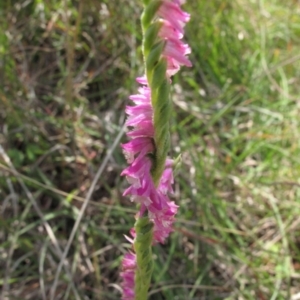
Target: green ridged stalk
[156,68]
[142,247]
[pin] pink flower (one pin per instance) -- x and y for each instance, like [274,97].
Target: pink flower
[166,181]
[172,29]
[167,30]
[160,209]
[127,274]
[176,50]
[174,14]
[139,145]
[163,221]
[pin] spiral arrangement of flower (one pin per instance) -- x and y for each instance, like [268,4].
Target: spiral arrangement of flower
[150,171]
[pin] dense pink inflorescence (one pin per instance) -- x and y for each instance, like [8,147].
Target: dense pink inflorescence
[174,20]
[140,149]
[138,153]
[142,189]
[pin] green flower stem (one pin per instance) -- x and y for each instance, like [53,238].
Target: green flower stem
[156,67]
[142,247]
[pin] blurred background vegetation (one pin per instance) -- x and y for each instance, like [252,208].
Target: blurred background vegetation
[66,71]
